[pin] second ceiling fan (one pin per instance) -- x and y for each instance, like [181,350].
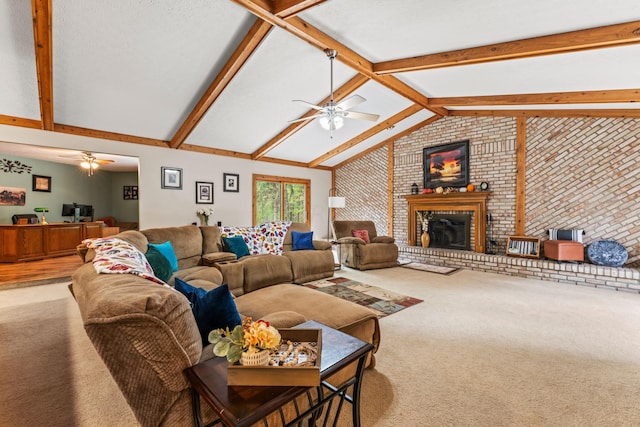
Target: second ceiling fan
[331,115]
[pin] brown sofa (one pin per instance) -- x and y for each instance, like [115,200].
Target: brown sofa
[381,252]
[146,333]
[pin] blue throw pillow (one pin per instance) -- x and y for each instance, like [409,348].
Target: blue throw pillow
[302,241]
[167,250]
[159,263]
[212,310]
[237,245]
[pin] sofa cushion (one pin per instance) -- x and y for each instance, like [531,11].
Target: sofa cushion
[186,242]
[211,239]
[166,249]
[302,241]
[237,245]
[212,310]
[159,263]
[265,270]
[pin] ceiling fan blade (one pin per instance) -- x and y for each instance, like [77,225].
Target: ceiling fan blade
[315,116]
[308,104]
[361,116]
[103,161]
[351,102]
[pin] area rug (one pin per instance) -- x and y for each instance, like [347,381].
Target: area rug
[430,268]
[382,301]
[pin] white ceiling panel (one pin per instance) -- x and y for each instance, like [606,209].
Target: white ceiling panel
[18,82]
[138,67]
[313,141]
[400,127]
[382,30]
[258,103]
[613,68]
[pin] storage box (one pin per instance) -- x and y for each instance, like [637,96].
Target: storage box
[564,250]
[304,376]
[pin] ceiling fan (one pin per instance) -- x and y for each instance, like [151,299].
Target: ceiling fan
[90,162]
[331,115]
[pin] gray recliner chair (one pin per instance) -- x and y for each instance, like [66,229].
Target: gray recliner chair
[380,252]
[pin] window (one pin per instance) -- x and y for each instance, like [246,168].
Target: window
[280,199]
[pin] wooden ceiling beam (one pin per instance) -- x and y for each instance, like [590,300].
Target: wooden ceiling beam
[41,12]
[574,41]
[629,113]
[586,97]
[338,95]
[245,49]
[288,8]
[20,121]
[407,112]
[346,55]
[93,133]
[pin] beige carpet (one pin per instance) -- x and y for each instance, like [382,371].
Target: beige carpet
[481,350]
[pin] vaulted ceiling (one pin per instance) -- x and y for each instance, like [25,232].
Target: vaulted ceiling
[220,76]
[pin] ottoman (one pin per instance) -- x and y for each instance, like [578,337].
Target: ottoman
[564,250]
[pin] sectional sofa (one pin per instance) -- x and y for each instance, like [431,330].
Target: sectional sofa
[146,333]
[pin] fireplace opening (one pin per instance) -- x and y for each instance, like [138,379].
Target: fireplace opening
[450,231]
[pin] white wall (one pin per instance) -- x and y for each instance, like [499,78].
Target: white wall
[163,207]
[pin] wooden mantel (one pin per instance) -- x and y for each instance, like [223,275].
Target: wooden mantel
[475,201]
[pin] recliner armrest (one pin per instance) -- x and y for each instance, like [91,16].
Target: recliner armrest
[321,245]
[351,240]
[382,239]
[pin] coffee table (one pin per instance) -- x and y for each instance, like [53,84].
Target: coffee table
[244,405]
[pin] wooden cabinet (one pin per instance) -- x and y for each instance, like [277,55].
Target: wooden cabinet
[523,246]
[39,241]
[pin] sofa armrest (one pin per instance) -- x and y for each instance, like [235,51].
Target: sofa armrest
[382,239]
[351,240]
[212,258]
[321,245]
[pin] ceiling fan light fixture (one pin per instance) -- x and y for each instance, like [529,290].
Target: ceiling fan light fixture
[89,165]
[325,122]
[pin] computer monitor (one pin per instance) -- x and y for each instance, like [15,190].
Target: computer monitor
[68,209]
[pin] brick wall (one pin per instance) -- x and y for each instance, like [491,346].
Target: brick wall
[580,173]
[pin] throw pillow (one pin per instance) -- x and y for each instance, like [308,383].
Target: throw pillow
[575,235]
[167,250]
[361,234]
[159,263]
[237,245]
[212,310]
[302,241]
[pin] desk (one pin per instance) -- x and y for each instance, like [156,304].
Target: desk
[39,241]
[243,406]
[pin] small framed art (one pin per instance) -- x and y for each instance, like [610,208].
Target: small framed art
[231,182]
[41,183]
[171,178]
[130,192]
[204,193]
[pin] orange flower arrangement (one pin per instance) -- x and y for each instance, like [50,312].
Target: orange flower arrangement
[250,337]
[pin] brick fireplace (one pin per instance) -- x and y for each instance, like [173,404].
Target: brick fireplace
[474,202]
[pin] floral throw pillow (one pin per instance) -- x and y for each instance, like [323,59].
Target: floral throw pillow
[267,238]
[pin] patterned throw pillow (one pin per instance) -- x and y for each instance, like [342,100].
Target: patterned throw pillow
[361,234]
[575,234]
[267,238]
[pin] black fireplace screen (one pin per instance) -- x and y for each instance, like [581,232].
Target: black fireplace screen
[450,231]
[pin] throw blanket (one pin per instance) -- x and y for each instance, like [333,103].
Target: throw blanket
[267,238]
[120,257]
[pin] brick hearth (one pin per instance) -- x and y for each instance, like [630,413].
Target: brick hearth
[622,279]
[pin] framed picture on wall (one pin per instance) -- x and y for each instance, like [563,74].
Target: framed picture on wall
[446,165]
[204,193]
[231,182]
[41,183]
[130,192]
[171,178]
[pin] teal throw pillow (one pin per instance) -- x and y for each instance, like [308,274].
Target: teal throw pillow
[302,241]
[159,263]
[212,309]
[237,245]
[167,250]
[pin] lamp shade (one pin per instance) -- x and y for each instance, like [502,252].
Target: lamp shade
[336,202]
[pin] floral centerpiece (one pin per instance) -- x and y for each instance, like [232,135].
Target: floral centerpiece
[245,340]
[205,214]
